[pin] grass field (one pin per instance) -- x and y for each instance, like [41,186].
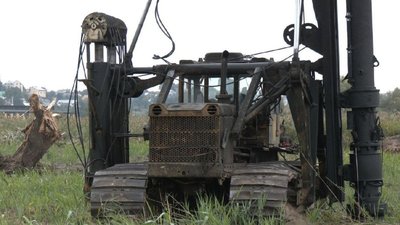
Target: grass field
[55,196]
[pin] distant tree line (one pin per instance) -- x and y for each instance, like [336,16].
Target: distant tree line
[389,101]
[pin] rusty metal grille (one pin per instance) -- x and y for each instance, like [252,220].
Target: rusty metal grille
[184,139]
[183,155]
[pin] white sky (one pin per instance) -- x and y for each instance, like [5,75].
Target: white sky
[40,39]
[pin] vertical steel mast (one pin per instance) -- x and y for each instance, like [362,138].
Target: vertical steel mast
[363,98]
[108,108]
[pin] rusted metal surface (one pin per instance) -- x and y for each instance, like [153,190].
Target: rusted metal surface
[187,133]
[300,108]
[102,28]
[211,69]
[213,137]
[121,188]
[185,170]
[173,139]
[246,103]
[267,183]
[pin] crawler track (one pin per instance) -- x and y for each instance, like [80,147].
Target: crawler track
[271,183]
[121,188]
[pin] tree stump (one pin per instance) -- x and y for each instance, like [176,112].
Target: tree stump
[40,135]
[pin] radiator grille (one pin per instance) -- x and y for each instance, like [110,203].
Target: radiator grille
[184,139]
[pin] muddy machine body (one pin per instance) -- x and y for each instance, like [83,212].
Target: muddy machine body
[215,127]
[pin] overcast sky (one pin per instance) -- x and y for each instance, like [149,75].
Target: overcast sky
[40,39]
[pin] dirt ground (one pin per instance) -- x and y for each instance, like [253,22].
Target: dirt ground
[392,144]
[293,217]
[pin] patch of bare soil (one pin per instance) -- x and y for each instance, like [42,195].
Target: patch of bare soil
[65,167]
[293,217]
[392,144]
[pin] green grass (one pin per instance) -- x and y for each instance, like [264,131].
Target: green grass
[390,123]
[336,214]
[391,187]
[44,197]
[49,196]
[211,211]
[55,197]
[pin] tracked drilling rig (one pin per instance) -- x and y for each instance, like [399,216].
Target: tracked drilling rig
[216,139]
